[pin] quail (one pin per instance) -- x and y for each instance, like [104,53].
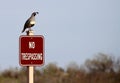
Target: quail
[30,22]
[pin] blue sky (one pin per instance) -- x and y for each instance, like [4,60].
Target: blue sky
[74,30]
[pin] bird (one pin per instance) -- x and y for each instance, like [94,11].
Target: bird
[30,22]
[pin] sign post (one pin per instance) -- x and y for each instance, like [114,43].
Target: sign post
[30,69]
[31,53]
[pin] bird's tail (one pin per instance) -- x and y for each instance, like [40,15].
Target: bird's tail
[23,30]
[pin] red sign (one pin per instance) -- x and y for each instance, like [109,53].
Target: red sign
[31,50]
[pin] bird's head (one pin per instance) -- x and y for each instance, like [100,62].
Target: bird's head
[34,13]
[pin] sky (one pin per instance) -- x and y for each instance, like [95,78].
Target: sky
[74,30]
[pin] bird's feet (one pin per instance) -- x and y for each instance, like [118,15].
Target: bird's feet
[29,31]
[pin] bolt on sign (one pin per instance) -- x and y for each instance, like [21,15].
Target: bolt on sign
[31,50]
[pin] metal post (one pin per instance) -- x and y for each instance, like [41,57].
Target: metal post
[30,74]
[30,69]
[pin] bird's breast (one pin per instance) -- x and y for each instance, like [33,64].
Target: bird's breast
[32,22]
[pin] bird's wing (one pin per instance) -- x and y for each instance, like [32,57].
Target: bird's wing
[26,25]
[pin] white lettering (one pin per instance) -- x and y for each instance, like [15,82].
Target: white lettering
[32,56]
[32,45]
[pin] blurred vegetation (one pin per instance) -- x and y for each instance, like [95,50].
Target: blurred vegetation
[101,69]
